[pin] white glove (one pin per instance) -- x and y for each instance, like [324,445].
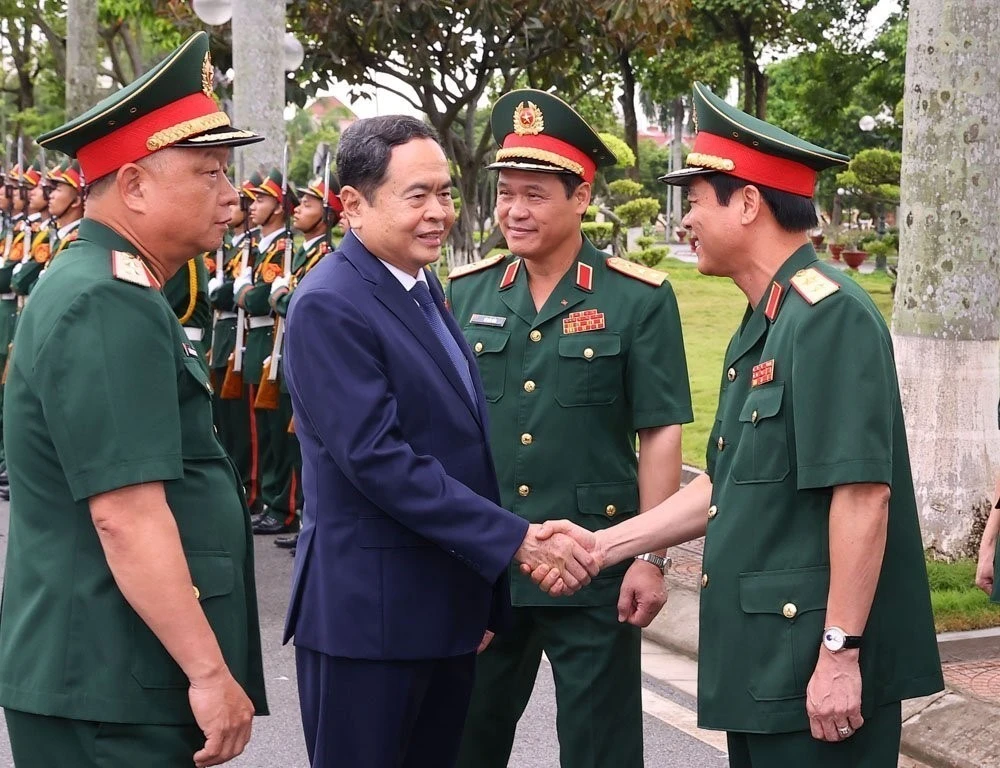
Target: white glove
[215,284]
[243,281]
[42,273]
[18,267]
[278,284]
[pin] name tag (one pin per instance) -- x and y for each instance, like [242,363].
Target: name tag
[491,320]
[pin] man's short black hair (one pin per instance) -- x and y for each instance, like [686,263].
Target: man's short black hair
[570,182]
[365,146]
[794,213]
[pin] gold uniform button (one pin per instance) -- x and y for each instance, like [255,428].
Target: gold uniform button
[722,443]
[478,347]
[529,386]
[535,335]
[753,417]
[731,374]
[712,512]
[611,510]
[588,353]
[788,610]
[197,593]
[523,490]
[526,439]
[704,580]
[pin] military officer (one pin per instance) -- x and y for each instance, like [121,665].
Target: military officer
[233,410]
[141,618]
[278,479]
[815,611]
[318,211]
[579,353]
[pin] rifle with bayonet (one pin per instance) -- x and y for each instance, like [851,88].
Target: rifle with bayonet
[232,384]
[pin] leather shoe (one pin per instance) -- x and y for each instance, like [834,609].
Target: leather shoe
[268,526]
[287,541]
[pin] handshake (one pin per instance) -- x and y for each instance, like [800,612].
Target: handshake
[560,557]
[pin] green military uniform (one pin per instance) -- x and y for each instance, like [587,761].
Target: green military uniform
[104,391]
[233,416]
[187,294]
[276,447]
[568,388]
[42,242]
[68,172]
[809,400]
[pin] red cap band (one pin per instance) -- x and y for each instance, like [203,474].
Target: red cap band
[549,149]
[128,143]
[758,167]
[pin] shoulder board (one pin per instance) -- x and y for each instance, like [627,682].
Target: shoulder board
[131,269]
[636,271]
[478,266]
[813,285]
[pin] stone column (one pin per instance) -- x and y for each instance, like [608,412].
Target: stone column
[259,84]
[946,306]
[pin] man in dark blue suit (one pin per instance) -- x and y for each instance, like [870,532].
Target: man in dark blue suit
[402,559]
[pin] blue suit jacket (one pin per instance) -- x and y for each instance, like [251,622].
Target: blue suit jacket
[404,548]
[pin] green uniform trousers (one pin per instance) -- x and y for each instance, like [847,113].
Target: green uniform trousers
[233,420]
[276,451]
[39,741]
[596,665]
[874,745]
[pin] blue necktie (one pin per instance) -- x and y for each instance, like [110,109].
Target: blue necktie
[422,295]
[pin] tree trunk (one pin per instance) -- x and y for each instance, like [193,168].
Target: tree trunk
[81,56]
[677,161]
[761,82]
[259,83]
[628,110]
[945,315]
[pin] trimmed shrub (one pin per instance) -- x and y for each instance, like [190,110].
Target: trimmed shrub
[599,233]
[624,190]
[635,213]
[591,214]
[650,257]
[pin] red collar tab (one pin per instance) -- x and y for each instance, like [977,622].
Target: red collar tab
[584,277]
[510,274]
[773,302]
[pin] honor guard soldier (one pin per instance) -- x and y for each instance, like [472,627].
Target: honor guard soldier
[815,614]
[233,410]
[579,354]
[11,204]
[278,480]
[318,211]
[65,206]
[35,256]
[187,294]
[141,618]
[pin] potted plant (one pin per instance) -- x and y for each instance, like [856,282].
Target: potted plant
[680,233]
[818,237]
[853,253]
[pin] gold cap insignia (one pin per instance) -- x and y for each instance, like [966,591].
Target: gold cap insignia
[528,120]
[207,75]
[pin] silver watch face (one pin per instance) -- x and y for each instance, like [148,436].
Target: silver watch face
[834,638]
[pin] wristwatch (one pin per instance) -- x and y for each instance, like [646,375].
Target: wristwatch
[663,563]
[836,640]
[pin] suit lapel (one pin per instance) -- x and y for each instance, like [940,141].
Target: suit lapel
[391,294]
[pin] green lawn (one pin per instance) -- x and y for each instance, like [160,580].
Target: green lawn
[958,604]
[711,310]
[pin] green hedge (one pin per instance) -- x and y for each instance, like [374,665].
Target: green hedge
[650,257]
[635,213]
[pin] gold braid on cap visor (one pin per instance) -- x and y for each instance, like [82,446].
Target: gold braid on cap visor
[175,133]
[533,153]
[710,161]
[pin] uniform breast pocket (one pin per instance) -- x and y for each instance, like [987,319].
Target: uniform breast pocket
[489,344]
[589,369]
[762,453]
[194,388]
